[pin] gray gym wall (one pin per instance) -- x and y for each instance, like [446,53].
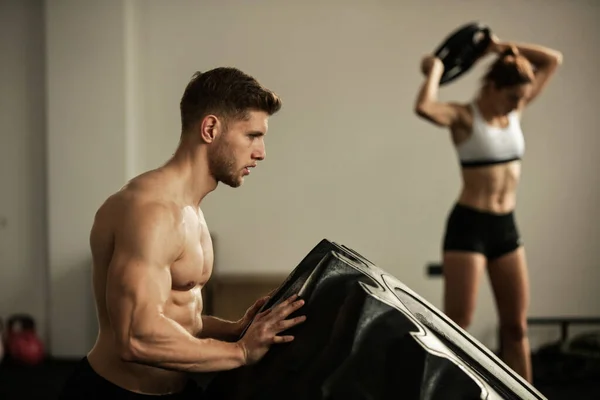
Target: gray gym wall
[89,98]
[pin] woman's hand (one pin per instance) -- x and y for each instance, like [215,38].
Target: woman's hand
[495,46]
[431,64]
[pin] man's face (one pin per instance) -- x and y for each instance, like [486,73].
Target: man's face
[236,151]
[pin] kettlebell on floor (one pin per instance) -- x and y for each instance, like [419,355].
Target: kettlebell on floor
[1,340]
[23,345]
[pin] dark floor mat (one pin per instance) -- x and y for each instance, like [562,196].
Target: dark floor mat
[44,382]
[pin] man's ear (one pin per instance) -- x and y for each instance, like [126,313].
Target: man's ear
[209,128]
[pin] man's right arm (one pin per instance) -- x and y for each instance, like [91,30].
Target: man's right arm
[138,286]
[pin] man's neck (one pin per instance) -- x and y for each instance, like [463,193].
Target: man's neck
[190,165]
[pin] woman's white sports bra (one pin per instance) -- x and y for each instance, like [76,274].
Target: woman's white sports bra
[489,145]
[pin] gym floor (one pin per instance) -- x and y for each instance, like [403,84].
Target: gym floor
[44,382]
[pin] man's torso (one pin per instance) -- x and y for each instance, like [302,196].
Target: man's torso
[188,273]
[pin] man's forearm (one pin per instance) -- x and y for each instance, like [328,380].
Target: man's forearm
[217,328]
[169,346]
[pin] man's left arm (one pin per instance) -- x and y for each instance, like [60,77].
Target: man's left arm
[220,329]
[229,331]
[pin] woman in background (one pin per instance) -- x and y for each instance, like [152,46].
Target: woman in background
[481,230]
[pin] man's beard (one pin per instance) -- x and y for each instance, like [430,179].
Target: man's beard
[221,163]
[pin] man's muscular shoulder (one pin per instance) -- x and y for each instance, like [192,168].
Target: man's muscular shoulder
[139,210]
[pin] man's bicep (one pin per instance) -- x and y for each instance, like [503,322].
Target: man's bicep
[138,277]
[136,291]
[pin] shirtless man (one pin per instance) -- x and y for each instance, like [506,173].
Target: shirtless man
[152,254]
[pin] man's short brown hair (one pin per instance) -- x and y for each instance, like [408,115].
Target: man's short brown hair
[227,93]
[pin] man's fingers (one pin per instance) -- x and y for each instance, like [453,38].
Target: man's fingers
[288,301]
[279,306]
[280,312]
[290,308]
[289,323]
[282,339]
[263,314]
[263,301]
[259,303]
